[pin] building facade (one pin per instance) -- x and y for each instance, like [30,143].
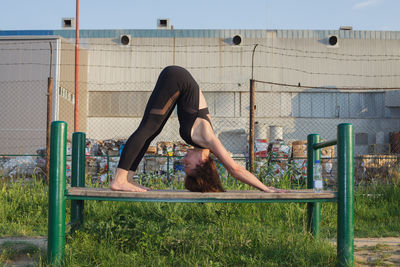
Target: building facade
[306,81]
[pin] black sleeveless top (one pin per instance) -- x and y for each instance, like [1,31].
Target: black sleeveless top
[188,110]
[186,121]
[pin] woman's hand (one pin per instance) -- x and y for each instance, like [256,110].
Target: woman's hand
[275,190]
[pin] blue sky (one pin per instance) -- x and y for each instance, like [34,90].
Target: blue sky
[203,14]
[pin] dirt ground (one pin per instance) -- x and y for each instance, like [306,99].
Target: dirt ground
[377,251]
[383,251]
[25,251]
[367,251]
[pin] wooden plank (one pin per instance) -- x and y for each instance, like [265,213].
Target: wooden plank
[184,194]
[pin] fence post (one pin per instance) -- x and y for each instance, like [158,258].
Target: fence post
[77,176]
[49,113]
[345,219]
[251,125]
[168,167]
[313,208]
[56,219]
[108,168]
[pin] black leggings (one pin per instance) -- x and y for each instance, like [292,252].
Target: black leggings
[171,82]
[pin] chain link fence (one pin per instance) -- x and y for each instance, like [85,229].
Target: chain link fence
[299,89]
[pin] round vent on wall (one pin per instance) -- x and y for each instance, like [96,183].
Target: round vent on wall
[333,40]
[125,39]
[237,40]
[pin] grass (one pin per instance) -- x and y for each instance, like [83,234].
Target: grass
[193,234]
[23,208]
[176,234]
[377,212]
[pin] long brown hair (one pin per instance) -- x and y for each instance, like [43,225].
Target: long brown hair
[204,178]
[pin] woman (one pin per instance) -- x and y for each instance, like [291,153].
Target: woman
[176,86]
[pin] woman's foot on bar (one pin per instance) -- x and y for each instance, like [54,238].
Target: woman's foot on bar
[120,183]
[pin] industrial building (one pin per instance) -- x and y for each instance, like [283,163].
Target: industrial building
[307,81]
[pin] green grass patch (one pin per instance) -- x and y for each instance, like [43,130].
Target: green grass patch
[179,234]
[23,208]
[194,234]
[377,211]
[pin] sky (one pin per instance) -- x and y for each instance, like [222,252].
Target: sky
[379,15]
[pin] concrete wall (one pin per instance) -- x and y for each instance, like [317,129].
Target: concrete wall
[66,87]
[121,78]
[319,85]
[24,72]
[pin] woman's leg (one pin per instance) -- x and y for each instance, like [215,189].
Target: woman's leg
[159,108]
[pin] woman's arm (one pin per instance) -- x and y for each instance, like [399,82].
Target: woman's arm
[204,136]
[236,170]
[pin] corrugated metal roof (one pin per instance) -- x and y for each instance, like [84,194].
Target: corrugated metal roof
[389,35]
[26,32]
[195,33]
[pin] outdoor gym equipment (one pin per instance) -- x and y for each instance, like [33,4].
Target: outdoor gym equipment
[78,193]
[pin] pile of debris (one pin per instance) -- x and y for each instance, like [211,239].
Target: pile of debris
[372,168]
[279,157]
[22,166]
[102,158]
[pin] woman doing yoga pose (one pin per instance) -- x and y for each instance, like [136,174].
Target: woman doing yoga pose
[176,87]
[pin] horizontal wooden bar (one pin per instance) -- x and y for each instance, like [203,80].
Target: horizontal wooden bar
[325,144]
[249,196]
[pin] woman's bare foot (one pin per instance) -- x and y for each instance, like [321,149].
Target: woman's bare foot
[126,186]
[120,183]
[130,180]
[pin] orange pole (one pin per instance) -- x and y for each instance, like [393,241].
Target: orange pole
[76,112]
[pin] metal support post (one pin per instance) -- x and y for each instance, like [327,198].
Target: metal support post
[251,126]
[168,174]
[77,176]
[108,168]
[313,209]
[56,219]
[345,219]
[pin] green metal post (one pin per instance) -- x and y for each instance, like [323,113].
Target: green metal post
[345,219]
[167,167]
[108,168]
[313,209]
[77,176]
[56,219]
